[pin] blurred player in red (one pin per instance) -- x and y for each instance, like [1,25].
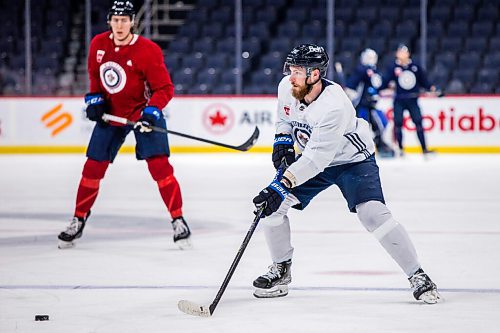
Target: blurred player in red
[128,78]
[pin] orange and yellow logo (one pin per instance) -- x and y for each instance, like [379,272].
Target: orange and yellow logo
[56,120]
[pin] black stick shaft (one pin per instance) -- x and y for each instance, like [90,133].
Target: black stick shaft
[236,259]
[244,147]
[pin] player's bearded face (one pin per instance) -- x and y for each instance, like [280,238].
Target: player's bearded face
[121,27]
[298,79]
[299,91]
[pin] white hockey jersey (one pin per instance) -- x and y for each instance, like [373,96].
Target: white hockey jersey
[326,132]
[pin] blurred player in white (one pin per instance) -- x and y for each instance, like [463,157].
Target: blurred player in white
[362,88]
[128,78]
[336,148]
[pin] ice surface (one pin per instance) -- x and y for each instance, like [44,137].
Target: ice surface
[126,275]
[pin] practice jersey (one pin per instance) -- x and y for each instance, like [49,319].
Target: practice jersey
[408,78]
[326,132]
[366,80]
[130,77]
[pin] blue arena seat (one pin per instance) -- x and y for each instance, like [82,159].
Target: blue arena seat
[469,60]
[180,45]
[455,86]
[451,43]
[488,75]
[478,44]
[458,29]
[273,60]
[482,28]
[223,89]
[481,88]
[193,60]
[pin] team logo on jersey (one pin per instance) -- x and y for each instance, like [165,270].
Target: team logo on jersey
[301,137]
[376,80]
[113,77]
[407,80]
[302,133]
[218,118]
[100,54]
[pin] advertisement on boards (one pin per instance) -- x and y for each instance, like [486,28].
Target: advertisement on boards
[453,124]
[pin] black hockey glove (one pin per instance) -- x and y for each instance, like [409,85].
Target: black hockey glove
[283,151]
[150,115]
[96,107]
[271,197]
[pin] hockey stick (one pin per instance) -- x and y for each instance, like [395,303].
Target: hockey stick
[243,147]
[207,311]
[436,93]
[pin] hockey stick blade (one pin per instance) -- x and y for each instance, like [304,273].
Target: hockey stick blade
[204,311]
[243,147]
[194,309]
[250,142]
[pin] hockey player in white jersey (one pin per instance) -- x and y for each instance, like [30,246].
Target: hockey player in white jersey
[334,148]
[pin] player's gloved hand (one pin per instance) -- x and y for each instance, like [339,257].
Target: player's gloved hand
[96,106]
[150,115]
[271,197]
[283,151]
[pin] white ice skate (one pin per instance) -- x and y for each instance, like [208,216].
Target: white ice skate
[72,232]
[423,288]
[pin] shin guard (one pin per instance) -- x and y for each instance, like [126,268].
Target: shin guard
[93,172]
[163,173]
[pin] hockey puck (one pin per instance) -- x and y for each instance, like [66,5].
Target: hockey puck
[41,317]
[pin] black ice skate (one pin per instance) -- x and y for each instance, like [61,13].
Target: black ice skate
[182,234]
[423,288]
[72,232]
[275,282]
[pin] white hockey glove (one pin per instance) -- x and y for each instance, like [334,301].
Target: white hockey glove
[150,115]
[143,126]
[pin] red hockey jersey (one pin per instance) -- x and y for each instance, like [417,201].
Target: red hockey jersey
[130,76]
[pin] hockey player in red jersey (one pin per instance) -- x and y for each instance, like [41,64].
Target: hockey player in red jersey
[128,78]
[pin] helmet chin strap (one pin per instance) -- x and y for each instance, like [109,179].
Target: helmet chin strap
[310,85]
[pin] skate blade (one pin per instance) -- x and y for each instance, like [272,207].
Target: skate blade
[431,297]
[276,291]
[184,244]
[65,245]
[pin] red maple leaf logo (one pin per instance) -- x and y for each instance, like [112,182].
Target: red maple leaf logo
[218,119]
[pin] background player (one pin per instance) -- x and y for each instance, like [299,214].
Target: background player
[128,78]
[362,88]
[409,78]
[337,149]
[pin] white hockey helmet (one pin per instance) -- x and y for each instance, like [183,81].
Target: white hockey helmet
[369,57]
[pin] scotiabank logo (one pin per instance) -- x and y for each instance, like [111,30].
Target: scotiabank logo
[449,121]
[57,120]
